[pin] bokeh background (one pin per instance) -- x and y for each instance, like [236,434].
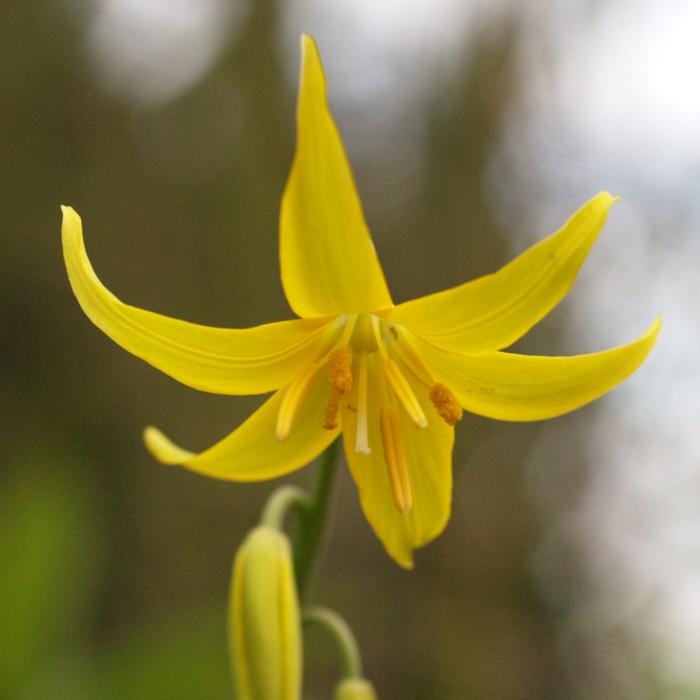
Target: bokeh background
[571,565]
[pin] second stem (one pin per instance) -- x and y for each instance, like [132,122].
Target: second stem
[312,517]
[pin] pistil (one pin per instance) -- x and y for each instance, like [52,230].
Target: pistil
[361,433]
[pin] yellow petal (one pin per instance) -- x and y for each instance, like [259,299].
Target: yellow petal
[219,360]
[522,388]
[429,460]
[327,258]
[252,452]
[492,312]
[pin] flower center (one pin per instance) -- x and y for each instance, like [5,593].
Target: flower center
[363,338]
[374,370]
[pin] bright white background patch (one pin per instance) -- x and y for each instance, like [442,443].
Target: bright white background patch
[150,51]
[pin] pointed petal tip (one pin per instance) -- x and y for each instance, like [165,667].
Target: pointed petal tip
[311,65]
[405,562]
[71,233]
[309,50]
[309,45]
[328,262]
[69,215]
[647,340]
[163,449]
[654,328]
[606,198]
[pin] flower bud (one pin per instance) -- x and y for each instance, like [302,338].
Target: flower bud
[354,689]
[264,621]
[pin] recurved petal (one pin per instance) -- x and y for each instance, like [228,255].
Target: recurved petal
[219,360]
[252,452]
[327,258]
[492,312]
[429,458]
[515,387]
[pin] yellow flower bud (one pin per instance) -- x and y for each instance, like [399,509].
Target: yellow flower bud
[354,689]
[264,621]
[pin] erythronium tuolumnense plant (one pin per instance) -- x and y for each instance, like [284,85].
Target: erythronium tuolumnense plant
[393,379]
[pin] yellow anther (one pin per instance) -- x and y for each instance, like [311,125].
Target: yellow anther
[293,400]
[340,369]
[395,458]
[446,404]
[340,377]
[404,393]
[330,421]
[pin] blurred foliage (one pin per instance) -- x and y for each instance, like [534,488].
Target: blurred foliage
[49,550]
[51,546]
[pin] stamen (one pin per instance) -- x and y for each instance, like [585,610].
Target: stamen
[361,434]
[340,377]
[293,400]
[404,393]
[395,458]
[446,404]
[330,421]
[340,369]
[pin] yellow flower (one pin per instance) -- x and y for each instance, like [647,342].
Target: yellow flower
[392,379]
[264,619]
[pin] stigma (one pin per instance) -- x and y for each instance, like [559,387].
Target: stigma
[362,429]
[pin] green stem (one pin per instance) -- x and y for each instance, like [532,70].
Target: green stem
[312,517]
[351,663]
[280,502]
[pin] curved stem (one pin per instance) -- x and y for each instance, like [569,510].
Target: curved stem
[351,663]
[312,517]
[280,503]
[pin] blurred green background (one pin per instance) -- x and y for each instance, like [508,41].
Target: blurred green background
[570,566]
